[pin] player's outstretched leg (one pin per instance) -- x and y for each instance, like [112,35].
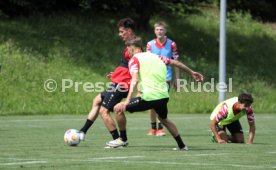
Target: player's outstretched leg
[174,132]
[92,116]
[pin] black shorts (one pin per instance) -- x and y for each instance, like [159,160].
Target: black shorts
[160,106]
[113,95]
[234,127]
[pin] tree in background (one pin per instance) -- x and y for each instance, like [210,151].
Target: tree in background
[264,10]
[140,10]
[13,8]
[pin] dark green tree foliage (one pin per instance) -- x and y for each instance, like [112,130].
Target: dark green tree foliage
[140,10]
[264,10]
[13,8]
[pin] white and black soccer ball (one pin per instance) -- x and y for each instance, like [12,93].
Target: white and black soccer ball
[72,137]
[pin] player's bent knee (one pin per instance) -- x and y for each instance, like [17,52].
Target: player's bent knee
[103,112]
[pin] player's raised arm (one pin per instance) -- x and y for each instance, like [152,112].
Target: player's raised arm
[196,76]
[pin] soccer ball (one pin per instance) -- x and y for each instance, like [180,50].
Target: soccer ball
[72,137]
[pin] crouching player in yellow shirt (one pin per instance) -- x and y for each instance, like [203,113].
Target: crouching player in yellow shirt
[227,115]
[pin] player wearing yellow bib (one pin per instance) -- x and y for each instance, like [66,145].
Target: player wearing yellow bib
[227,115]
[150,71]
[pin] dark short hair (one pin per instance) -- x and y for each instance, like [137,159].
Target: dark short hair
[137,42]
[245,98]
[126,23]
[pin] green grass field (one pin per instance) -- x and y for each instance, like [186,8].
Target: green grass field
[36,142]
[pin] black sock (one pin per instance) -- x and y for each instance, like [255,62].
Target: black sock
[86,126]
[160,126]
[115,134]
[153,125]
[123,135]
[179,142]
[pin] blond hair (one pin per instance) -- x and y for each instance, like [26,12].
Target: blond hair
[160,23]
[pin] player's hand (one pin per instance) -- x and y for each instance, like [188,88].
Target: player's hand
[197,76]
[109,75]
[221,141]
[120,107]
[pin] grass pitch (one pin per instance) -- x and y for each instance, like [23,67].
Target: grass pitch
[36,142]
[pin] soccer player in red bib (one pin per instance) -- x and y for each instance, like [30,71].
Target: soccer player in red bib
[103,103]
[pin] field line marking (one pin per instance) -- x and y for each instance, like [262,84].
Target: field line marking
[15,159]
[176,163]
[208,154]
[116,157]
[21,163]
